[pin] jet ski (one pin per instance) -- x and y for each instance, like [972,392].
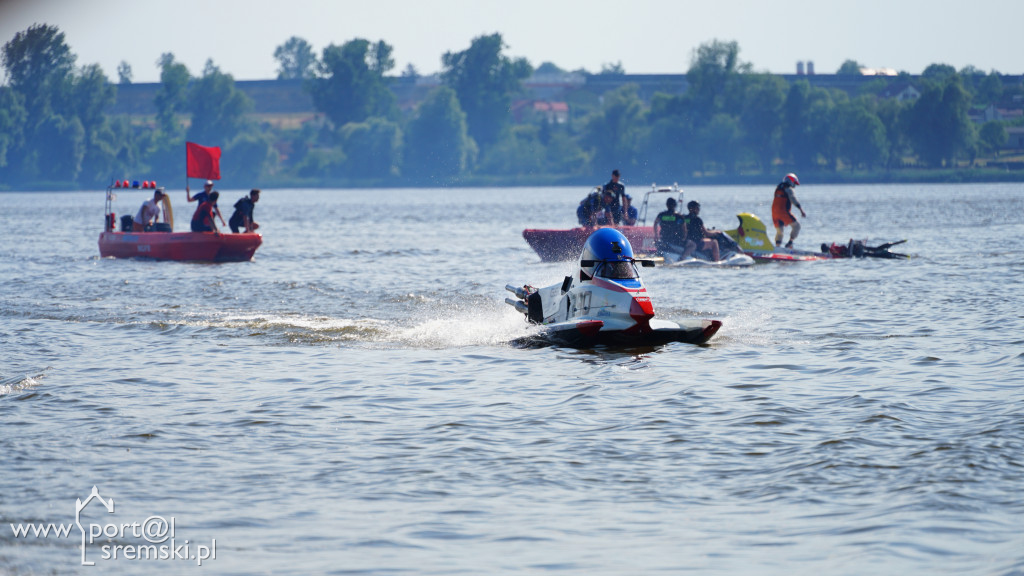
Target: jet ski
[604,302]
[729,252]
[752,238]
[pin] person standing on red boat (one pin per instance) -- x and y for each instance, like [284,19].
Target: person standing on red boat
[202,220]
[202,197]
[781,207]
[616,188]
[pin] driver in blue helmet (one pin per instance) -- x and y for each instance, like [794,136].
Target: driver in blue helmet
[612,253]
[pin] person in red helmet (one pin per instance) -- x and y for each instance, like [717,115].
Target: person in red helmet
[781,206]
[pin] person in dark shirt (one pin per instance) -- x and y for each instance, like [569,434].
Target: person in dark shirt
[203,197]
[610,211]
[202,220]
[586,212]
[669,229]
[617,188]
[242,218]
[697,236]
[629,212]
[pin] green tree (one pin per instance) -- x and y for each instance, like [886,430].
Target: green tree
[91,95]
[938,125]
[218,108]
[438,147]
[520,151]
[485,82]
[172,96]
[990,89]
[613,134]
[668,148]
[58,149]
[373,148]
[720,140]
[612,69]
[849,68]
[892,114]
[124,73]
[939,72]
[252,158]
[862,139]
[993,137]
[763,116]
[350,84]
[796,144]
[716,85]
[39,66]
[296,60]
[823,124]
[12,125]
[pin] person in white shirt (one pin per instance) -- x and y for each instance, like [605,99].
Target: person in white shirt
[148,213]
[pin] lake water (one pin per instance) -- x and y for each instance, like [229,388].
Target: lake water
[350,402]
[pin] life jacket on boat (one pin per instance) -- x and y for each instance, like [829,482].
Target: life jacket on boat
[202,220]
[781,206]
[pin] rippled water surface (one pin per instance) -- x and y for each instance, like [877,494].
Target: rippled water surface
[351,401]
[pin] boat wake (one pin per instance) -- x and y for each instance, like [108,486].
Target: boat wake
[431,324]
[20,383]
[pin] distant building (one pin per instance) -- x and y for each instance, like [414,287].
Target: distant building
[878,72]
[901,91]
[1015,140]
[550,112]
[992,114]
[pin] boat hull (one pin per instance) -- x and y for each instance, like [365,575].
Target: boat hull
[589,333]
[198,246]
[566,244]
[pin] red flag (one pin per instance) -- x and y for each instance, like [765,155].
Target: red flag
[203,161]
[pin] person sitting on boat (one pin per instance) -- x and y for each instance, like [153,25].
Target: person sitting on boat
[669,229]
[148,213]
[782,204]
[629,212]
[586,212]
[617,188]
[242,218]
[697,236]
[610,211]
[202,220]
[203,196]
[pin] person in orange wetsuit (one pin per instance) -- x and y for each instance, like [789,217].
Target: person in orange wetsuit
[781,206]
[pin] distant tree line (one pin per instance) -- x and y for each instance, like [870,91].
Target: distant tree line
[55,131]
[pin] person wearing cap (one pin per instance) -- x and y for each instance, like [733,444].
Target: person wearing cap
[697,236]
[669,229]
[148,213]
[610,211]
[203,196]
[242,218]
[782,205]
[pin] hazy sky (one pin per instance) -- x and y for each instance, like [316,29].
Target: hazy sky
[645,36]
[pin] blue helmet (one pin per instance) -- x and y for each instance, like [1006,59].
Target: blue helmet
[607,253]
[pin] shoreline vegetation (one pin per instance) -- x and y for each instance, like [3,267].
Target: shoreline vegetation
[343,120]
[934,176]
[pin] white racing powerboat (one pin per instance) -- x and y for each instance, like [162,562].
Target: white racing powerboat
[604,302]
